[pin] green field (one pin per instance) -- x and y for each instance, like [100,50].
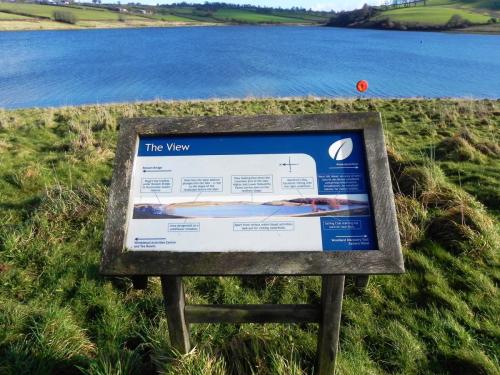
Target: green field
[46,11]
[254,17]
[169,18]
[431,15]
[185,14]
[439,12]
[59,316]
[10,16]
[246,16]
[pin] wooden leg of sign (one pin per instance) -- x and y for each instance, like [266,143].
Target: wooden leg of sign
[332,291]
[361,282]
[140,282]
[173,297]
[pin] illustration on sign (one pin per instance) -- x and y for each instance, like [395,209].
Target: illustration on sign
[293,192]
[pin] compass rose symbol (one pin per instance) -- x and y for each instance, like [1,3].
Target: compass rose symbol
[289,164]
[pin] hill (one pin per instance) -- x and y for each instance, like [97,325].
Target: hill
[246,14]
[424,15]
[58,315]
[21,16]
[15,15]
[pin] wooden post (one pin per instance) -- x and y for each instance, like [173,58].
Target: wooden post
[361,282]
[140,282]
[332,291]
[173,297]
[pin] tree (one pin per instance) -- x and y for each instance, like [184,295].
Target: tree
[64,16]
[457,21]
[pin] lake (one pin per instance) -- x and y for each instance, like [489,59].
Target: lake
[56,68]
[161,211]
[245,210]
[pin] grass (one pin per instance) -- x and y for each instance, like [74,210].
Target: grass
[10,16]
[58,315]
[170,18]
[46,11]
[436,13]
[35,16]
[248,16]
[254,17]
[432,15]
[38,16]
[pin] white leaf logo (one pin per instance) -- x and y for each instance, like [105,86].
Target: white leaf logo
[341,149]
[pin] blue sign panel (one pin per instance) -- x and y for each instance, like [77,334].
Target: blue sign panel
[275,192]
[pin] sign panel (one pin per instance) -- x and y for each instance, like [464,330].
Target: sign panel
[290,195]
[275,192]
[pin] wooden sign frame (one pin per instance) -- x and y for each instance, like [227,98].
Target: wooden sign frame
[116,260]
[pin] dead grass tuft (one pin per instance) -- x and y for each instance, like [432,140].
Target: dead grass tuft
[62,204]
[7,120]
[457,226]
[83,137]
[456,149]
[414,181]
[489,148]
[411,219]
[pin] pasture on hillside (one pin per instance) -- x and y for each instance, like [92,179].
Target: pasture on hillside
[439,12]
[47,11]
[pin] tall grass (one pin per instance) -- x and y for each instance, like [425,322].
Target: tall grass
[58,315]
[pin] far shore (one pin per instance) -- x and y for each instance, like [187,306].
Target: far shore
[490,29]
[44,24]
[41,24]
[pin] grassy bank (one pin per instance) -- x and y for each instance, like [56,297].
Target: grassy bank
[58,315]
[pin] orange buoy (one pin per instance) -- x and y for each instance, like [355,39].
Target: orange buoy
[362,85]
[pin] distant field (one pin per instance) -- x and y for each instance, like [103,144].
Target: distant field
[254,17]
[244,16]
[10,16]
[99,17]
[439,12]
[169,18]
[305,16]
[431,15]
[46,11]
[481,4]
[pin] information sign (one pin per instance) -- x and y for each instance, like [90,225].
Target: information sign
[275,192]
[252,195]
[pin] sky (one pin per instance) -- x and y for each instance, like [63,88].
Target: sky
[313,4]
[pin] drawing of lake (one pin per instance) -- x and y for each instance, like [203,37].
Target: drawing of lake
[248,209]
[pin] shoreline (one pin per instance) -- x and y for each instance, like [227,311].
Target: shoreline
[50,25]
[482,29]
[290,99]
[39,24]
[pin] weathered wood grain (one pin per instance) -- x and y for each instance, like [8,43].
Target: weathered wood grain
[116,260]
[140,282]
[361,282]
[173,298]
[332,292]
[253,313]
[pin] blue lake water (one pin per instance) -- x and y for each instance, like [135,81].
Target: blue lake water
[245,210]
[237,210]
[55,68]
